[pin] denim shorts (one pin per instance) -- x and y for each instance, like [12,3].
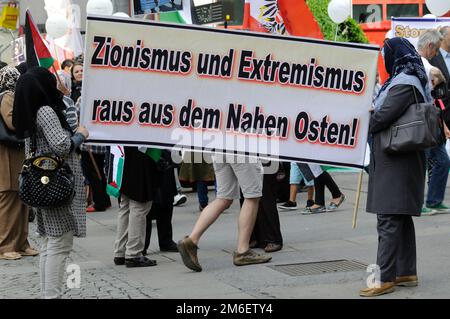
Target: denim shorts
[296,176]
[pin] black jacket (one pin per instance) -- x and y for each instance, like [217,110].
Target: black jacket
[140,178]
[396,181]
[438,61]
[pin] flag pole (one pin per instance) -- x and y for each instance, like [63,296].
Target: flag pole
[358,195]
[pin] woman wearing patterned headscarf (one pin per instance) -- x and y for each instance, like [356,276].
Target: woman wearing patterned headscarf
[396,181]
[13,213]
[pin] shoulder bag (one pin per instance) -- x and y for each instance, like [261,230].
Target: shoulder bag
[46,181]
[418,128]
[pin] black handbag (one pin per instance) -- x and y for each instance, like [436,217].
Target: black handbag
[7,137]
[418,128]
[46,182]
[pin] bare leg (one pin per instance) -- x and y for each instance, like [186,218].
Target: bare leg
[311,193]
[293,193]
[247,218]
[208,216]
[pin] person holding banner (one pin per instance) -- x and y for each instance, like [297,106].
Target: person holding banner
[396,181]
[38,113]
[231,173]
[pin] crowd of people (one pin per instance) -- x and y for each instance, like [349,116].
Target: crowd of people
[43,112]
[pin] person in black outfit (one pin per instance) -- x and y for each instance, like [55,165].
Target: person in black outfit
[266,232]
[162,207]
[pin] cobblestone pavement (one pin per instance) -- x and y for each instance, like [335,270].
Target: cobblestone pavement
[20,279]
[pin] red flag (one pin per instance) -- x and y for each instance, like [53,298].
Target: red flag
[298,19]
[37,52]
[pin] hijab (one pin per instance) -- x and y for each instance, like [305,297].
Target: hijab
[34,89]
[22,67]
[400,56]
[8,79]
[404,66]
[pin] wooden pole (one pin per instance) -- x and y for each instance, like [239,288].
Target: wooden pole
[358,194]
[94,163]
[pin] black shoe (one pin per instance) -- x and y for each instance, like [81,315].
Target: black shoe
[172,248]
[289,205]
[139,262]
[119,261]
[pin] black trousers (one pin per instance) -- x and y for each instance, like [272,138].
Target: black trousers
[98,186]
[283,186]
[163,214]
[396,255]
[267,226]
[320,182]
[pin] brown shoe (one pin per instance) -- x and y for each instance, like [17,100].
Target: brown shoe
[406,281]
[272,247]
[249,258]
[385,288]
[29,252]
[188,252]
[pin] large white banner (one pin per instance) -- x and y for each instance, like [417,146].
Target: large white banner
[412,28]
[165,85]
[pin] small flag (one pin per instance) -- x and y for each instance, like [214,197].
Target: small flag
[37,52]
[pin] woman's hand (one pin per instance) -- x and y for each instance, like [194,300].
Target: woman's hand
[83,130]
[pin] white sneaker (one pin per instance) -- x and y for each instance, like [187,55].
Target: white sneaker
[179,199]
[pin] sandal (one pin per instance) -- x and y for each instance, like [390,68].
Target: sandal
[10,256]
[317,210]
[29,252]
[334,206]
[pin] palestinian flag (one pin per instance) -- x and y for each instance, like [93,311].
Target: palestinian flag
[37,52]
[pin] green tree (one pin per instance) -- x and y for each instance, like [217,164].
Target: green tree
[347,31]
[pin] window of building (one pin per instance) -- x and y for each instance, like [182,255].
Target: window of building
[402,10]
[366,13]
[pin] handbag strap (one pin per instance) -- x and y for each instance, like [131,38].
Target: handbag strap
[441,104]
[415,94]
[33,145]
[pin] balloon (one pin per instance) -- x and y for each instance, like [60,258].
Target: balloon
[438,7]
[121,14]
[99,7]
[339,10]
[429,16]
[56,26]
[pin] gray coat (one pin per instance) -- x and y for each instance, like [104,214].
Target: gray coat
[396,182]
